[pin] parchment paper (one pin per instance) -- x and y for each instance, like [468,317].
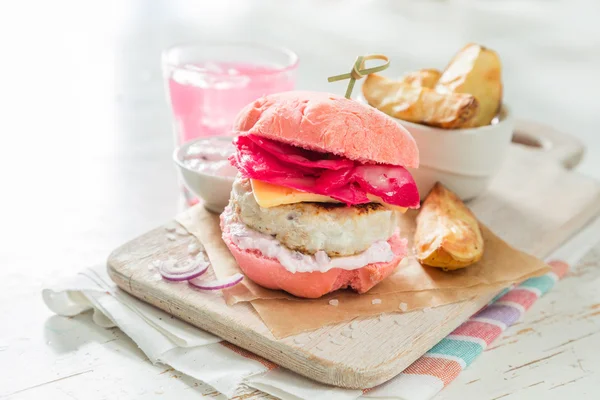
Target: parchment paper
[411,287]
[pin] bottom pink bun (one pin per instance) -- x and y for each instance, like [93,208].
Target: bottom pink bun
[269,273]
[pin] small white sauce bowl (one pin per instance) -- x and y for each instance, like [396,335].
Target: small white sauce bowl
[212,189]
[463,160]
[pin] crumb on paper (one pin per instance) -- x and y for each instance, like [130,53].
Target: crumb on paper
[376,301]
[354,325]
[300,340]
[403,307]
[171,237]
[157,263]
[319,348]
[193,249]
[347,333]
[170,263]
[334,302]
[380,317]
[170,227]
[181,231]
[332,340]
[426,309]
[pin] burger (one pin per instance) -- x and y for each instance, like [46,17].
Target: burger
[321,185]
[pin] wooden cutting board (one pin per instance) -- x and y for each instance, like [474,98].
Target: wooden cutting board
[534,203]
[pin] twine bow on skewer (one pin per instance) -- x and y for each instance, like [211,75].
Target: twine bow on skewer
[358,71]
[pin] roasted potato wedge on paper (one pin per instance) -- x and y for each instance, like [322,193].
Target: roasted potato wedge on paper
[475,70]
[448,234]
[419,104]
[426,78]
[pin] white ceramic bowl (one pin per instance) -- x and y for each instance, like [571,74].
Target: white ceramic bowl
[463,160]
[213,190]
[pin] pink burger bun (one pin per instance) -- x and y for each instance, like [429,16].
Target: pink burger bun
[329,123]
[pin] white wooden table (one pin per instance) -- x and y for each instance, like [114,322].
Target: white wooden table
[85,163]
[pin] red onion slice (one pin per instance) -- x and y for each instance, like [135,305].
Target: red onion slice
[394,184]
[331,179]
[252,159]
[348,183]
[256,163]
[299,156]
[218,284]
[179,272]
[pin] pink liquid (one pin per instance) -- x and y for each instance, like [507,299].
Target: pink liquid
[207,97]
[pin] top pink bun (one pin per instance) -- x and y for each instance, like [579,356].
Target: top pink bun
[329,123]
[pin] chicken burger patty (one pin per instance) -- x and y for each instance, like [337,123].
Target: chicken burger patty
[337,229]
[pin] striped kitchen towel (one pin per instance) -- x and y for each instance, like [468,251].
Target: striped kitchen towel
[442,364]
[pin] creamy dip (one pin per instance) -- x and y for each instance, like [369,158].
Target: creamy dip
[209,156]
[249,239]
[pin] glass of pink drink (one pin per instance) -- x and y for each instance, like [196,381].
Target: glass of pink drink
[208,84]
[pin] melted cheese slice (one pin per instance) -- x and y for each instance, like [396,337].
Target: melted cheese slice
[269,195]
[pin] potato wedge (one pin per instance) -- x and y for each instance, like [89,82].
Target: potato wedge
[419,104]
[448,234]
[426,78]
[475,70]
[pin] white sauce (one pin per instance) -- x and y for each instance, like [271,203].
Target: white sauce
[209,156]
[249,239]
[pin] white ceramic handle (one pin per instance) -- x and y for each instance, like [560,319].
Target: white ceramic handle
[564,148]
